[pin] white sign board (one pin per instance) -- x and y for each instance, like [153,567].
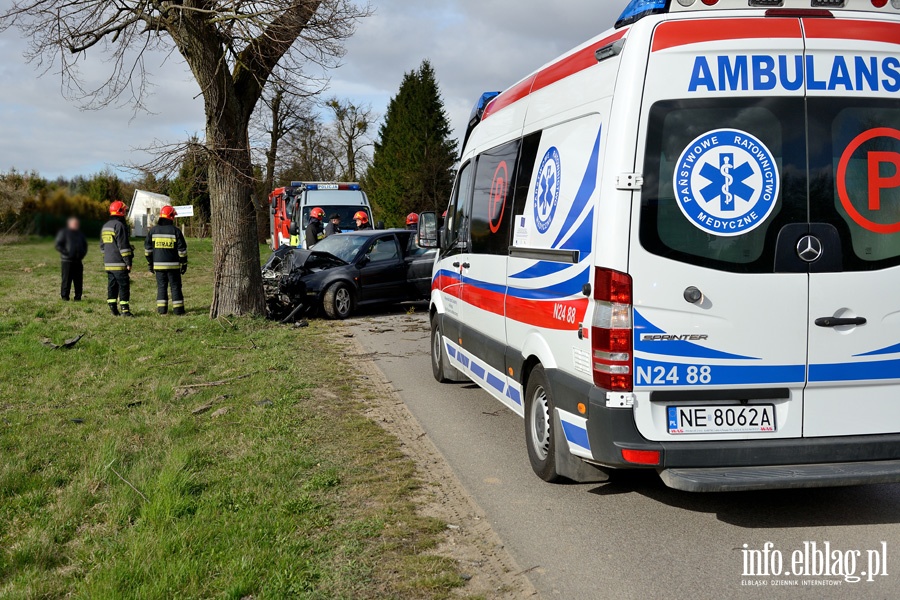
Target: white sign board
[184,211]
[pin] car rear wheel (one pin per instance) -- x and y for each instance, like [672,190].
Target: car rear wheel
[539,426]
[338,301]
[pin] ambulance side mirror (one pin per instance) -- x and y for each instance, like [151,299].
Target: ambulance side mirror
[428,235]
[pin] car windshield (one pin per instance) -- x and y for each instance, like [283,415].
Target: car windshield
[345,247]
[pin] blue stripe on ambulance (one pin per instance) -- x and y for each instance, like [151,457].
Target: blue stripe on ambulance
[566,289]
[483,373]
[651,373]
[674,348]
[855,371]
[574,429]
[895,349]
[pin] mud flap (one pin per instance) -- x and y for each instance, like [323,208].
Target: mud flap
[572,467]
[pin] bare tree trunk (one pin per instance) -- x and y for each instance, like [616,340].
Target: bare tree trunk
[262,209]
[237,278]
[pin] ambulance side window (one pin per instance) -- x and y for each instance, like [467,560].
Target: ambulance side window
[456,226]
[492,199]
[530,146]
[855,177]
[710,196]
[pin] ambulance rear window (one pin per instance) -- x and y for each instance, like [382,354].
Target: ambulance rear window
[721,178]
[855,177]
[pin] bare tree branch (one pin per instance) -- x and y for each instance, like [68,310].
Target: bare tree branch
[232,47]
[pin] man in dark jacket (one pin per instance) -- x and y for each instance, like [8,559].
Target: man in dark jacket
[166,253]
[334,225]
[72,247]
[315,231]
[118,253]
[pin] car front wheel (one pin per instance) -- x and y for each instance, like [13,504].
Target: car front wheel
[338,301]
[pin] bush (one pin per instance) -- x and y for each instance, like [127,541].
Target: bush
[47,212]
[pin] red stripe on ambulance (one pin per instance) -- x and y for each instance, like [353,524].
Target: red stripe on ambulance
[566,67]
[682,33]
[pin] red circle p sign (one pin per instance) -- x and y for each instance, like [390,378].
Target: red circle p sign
[883,173]
[499,190]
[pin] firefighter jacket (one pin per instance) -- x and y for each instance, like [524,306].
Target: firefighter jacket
[165,247]
[116,245]
[315,232]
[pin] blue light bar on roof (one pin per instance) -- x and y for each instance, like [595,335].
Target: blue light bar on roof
[317,187]
[638,9]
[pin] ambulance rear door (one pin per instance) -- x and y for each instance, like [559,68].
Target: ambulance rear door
[720,297]
[853,80]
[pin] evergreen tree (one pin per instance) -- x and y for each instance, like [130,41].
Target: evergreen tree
[191,186]
[412,169]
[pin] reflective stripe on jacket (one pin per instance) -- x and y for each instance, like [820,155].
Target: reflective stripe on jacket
[165,247]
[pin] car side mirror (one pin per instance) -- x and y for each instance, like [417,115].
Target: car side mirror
[379,225]
[364,261]
[428,234]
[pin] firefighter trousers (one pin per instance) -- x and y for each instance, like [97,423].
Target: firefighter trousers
[118,288]
[166,279]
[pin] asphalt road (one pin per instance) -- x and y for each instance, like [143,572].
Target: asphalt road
[633,538]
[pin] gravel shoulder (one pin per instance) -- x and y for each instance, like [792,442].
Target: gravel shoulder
[470,540]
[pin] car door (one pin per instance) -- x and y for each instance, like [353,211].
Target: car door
[720,303]
[419,267]
[854,243]
[382,277]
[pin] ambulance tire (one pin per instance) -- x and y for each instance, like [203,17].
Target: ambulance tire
[539,429]
[338,301]
[440,366]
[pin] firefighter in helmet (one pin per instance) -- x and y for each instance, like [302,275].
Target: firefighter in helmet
[166,253]
[115,244]
[362,220]
[412,221]
[315,231]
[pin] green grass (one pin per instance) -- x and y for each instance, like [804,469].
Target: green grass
[111,486]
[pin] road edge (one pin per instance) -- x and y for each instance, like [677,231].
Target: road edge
[470,539]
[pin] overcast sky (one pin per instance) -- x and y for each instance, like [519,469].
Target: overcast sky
[474,45]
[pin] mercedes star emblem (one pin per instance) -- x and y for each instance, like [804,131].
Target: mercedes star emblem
[810,248]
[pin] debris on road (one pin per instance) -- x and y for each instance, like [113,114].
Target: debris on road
[68,344]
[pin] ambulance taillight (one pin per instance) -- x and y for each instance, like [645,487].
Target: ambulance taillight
[612,334]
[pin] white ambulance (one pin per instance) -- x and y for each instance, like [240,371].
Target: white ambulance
[678,247]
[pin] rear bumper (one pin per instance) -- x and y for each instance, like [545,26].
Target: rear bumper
[738,479]
[796,462]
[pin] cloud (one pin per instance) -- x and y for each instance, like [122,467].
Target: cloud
[474,46]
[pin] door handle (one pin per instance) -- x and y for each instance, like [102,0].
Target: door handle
[836,322]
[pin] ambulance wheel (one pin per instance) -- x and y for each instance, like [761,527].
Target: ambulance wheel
[440,368]
[539,426]
[338,301]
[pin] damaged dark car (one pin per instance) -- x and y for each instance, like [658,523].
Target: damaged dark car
[347,271]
